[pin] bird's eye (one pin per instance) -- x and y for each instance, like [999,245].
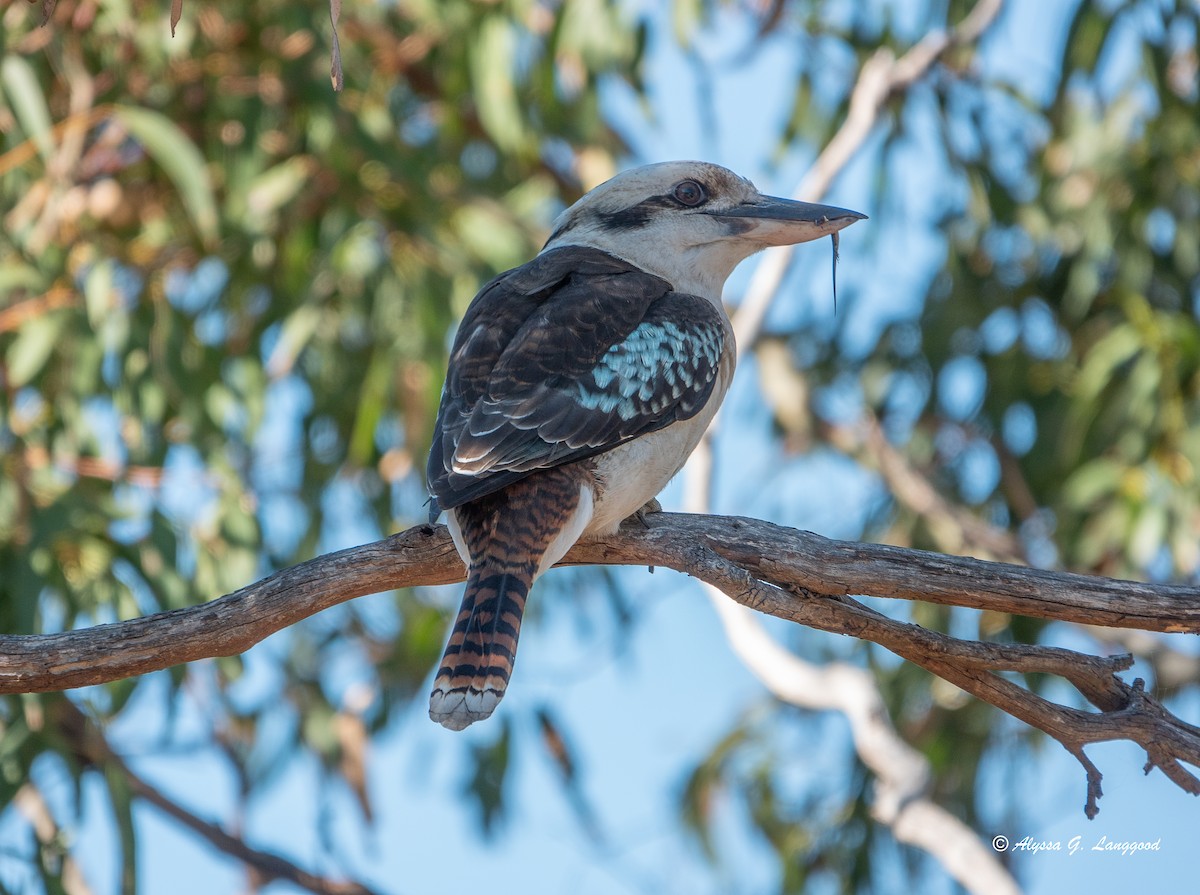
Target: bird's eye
[690,193]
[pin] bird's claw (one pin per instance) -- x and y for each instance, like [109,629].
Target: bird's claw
[640,514]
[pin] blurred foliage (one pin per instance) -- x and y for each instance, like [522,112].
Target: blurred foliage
[225,293]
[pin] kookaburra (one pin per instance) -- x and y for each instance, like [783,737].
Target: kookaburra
[579,383]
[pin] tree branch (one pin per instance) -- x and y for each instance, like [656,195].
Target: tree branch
[790,574]
[954,528]
[881,78]
[902,774]
[32,804]
[93,748]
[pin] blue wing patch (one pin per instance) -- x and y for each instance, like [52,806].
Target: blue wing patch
[655,367]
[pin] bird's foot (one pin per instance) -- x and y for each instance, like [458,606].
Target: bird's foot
[639,515]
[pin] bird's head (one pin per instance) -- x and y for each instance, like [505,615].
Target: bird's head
[690,222]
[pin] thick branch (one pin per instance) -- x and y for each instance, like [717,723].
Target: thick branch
[782,572]
[424,555]
[1128,712]
[821,565]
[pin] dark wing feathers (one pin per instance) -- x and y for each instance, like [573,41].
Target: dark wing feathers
[564,358]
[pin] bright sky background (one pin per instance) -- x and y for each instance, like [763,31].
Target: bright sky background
[642,707]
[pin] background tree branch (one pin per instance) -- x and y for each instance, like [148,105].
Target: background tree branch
[92,748]
[902,774]
[882,77]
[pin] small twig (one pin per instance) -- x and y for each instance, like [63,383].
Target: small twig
[1172,668]
[15,316]
[27,150]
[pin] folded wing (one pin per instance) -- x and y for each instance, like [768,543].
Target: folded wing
[564,358]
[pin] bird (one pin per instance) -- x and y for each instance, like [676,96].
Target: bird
[579,383]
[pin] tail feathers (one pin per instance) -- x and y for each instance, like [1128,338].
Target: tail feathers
[483,645]
[510,537]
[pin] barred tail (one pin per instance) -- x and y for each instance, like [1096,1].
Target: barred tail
[483,645]
[511,536]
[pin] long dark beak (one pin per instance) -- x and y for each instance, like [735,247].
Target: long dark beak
[776,221]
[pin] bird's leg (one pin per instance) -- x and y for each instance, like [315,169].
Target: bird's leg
[639,516]
[650,506]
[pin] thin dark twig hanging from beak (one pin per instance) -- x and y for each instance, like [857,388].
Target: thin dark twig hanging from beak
[834,237]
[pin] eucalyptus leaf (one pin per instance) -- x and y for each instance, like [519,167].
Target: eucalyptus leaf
[178,156]
[32,348]
[28,102]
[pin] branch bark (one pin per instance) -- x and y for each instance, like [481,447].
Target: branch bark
[790,574]
[424,555]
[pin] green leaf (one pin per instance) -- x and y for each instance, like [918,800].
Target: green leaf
[182,162]
[1149,532]
[16,276]
[275,187]
[1101,363]
[297,330]
[495,92]
[32,348]
[121,800]
[1091,482]
[28,102]
[97,293]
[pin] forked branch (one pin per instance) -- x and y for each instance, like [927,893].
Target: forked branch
[783,572]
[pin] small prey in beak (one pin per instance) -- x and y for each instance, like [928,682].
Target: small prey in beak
[834,236]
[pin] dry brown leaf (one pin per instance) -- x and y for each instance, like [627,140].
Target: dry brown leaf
[353,740]
[335,53]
